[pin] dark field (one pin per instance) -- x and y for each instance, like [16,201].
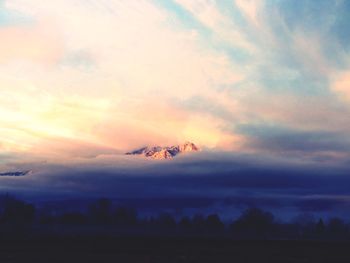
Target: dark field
[105,233]
[167,250]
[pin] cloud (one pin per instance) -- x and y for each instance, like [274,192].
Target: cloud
[250,9]
[36,43]
[209,181]
[341,85]
[128,74]
[265,82]
[10,17]
[283,139]
[114,84]
[208,13]
[323,204]
[16,173]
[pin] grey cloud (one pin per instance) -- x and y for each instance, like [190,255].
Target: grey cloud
[279,138]
[15,173]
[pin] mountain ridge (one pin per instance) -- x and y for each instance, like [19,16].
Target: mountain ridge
[165,152]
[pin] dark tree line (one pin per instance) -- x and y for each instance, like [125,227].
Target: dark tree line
[253,223]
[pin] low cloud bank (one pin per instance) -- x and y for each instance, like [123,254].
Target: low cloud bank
[200,182]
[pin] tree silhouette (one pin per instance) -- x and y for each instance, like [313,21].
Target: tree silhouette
[336,229]
[165,222]
[213,224]
[17,212]
[320,229]
[305,224]
[185,225]
[101,211]
[17,216]
[253,223]
[198,222]
[74,218]
[124,216]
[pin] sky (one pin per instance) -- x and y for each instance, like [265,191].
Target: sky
[82,82]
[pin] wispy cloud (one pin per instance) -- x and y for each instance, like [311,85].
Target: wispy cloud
[114,75]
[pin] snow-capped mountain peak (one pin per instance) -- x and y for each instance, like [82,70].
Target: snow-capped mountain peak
[167,152]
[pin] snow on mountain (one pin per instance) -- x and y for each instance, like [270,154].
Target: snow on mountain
[167,152]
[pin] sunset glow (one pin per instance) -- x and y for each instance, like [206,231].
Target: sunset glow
[131,73]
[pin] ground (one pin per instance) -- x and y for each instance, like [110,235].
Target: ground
[168,250]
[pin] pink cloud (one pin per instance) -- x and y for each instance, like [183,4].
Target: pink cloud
[35,43]
[341,85]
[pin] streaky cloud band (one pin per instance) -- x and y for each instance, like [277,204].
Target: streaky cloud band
[16,173]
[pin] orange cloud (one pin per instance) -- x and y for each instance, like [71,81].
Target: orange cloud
[341,85]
